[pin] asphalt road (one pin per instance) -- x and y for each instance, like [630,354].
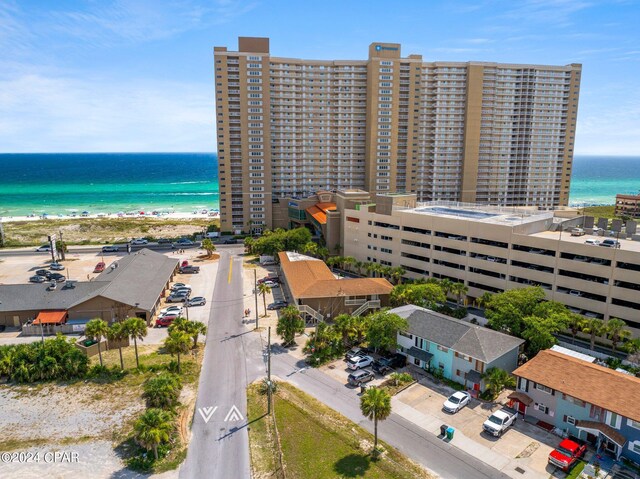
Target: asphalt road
[97,249]
[423,447]
[219,445]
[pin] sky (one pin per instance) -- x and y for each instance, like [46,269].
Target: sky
[137,75]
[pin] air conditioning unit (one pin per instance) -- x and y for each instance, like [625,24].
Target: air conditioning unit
[70,284]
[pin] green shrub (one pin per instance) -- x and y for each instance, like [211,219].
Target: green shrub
[400,378]
[162,391]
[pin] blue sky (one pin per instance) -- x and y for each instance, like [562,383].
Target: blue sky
[128,75]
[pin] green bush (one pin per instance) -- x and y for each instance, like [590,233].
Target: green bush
[162,391]
[400,378]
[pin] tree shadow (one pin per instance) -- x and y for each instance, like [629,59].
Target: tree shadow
[352,465]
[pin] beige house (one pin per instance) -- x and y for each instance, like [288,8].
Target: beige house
[317,293]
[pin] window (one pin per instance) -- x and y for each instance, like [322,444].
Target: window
[569,420]
[613,420]
[458,372]
[632,423]
[540,387]
[463,356]
[405,334]
[541,407]
[416,361]
[635,446]
[443,349]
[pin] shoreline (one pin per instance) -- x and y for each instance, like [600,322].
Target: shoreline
[214,215]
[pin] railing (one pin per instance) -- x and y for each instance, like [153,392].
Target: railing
[303,308]
[354,302]
[373,304]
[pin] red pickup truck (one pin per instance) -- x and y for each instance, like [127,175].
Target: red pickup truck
[568,453]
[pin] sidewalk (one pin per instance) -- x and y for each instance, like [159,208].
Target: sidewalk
[492,458]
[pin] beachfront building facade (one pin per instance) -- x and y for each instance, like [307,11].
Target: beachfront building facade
[628,205]
[583,399]
[457,131]
[461,351]
[494,249]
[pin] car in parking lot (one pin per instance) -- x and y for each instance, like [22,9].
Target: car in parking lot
[56,267]
[99,267]
[110,249]
[45,248]
[277,305]
[174,309]
[166,320]
[139,241]
[184,242]
[189,269]
[274,279]
[269,262]
[180,285]
[184,291]
[164,241]
[456,401]
[271,284]
[358,378]
[594,242]
[610,243]
[356,351]
[230,241]
[381,366]
[177,298]
[197,301]
[44,272]
[574,292]
[359,362]
[37,279]
[57,277]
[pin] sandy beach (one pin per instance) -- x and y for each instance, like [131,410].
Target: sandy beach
[158,216]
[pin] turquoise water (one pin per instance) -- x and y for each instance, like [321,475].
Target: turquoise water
[186,182]
[107,183]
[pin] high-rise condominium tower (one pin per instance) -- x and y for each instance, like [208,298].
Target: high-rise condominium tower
[490,133]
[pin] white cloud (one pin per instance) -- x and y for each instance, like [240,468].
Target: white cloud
[59,114]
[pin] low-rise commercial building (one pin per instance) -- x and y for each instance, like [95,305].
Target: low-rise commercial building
[130,286]
[462,351]
[493,249]
[628,205]
[583,399]
[318,294]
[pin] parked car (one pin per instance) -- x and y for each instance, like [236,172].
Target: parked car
[99,267]
[230,241]
[275,279]
[456,401]
[110,249]
[381,366]
[56,267]
[353,352]
[44,248]
[396,360]
[165,320]
[574,292]
[271,284]
[184,291]
[577,232]
[57,277]
[277,305]
[499,422]
[164,241]
[610,243]
[189,269]
[196,301]
[139,241]
[180,285]
[37,279]
[44,272]
[360,377]
[568,453]
[269,262]
[594,242]
[359,362]
[175,309]
[177,298]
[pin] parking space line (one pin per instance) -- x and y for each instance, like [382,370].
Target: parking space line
[230,269]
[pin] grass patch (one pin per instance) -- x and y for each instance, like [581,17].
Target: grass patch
[317,442]
[575,472]
[600,211]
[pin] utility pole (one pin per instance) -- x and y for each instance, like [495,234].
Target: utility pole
[255,293]
[62,253]
[269,371]
[52,246]
[1,234]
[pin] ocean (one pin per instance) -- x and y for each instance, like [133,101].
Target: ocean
[187,182]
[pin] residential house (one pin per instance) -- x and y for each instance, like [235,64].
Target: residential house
[589,401]
[461,350]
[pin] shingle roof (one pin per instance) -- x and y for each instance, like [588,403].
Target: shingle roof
[310,278]
[139,278]
[466,338]
[594,384]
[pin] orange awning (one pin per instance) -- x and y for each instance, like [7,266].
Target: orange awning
[51,317]
[317,214]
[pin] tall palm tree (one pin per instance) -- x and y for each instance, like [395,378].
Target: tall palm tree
[375,405]
[290,322]
[153,428]
[358,265]
[345,325]
[192,328]
[371,269]
[575,325]
[484,300]
[397,273]
[349,262]
[136,328]
[264,290]
[459,289]
[446,284]
[117,333]
[616,330]
[97,329]
[177,342]
[594,327]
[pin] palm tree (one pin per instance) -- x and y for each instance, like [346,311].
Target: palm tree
[497,379]
[264,290]
[323,253]
[349,262]
[575,325]
[616,331]
[136,328]
[371,268]
[397,273]
[459,289]
[290,322]
[484,300]
[192,328]
[97,329]
[375,404]
[345,325]
[594,327]
[177,342]
[446,284]
[117,333]
[153,428]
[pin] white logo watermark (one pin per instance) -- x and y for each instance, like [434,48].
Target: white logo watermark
[233,415]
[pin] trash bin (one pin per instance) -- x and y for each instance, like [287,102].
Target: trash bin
[363,388]
[443,430]
[450,432]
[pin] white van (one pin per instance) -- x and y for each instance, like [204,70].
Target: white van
[577,232]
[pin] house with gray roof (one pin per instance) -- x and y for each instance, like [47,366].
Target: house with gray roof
[462,351]
[130,286]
